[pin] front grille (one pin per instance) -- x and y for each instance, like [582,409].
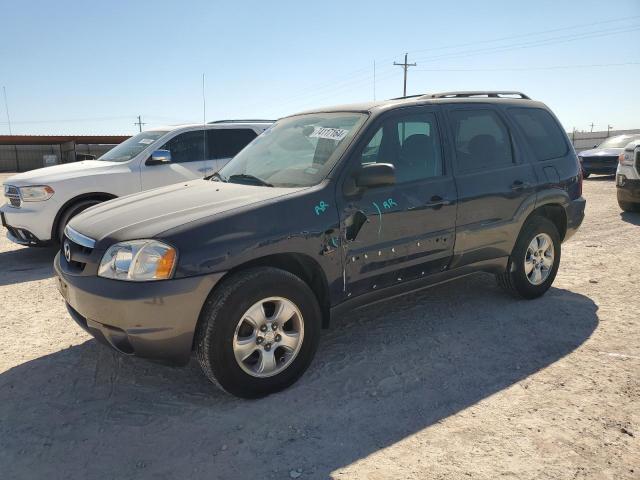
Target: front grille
[13,195]
[79,255]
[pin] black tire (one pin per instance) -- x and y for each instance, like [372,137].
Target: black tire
[223,310]
[70,212]
[629,206]
[514,281]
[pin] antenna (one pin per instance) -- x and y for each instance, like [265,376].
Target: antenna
[204,123]
[374,80]
[6,106]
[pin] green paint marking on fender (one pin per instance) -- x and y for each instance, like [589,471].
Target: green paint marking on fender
[321,207]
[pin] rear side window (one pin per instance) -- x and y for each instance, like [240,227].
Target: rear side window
[481,140]
[227,142]
[542,132]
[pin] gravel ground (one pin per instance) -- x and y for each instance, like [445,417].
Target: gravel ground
[459,381]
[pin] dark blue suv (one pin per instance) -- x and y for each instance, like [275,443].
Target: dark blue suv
[327,210]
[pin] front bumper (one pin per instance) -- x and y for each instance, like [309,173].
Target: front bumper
[628,189]
[155,320]
[575,216]
[599,166]
[31,224]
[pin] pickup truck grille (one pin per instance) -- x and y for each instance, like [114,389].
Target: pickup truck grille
[13,195]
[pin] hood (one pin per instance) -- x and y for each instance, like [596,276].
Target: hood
[147,214]
[58,173]
[601,152]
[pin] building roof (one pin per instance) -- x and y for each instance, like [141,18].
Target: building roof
[59,139]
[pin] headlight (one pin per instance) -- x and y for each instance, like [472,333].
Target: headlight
[37,193]
[138,261]
[626,158]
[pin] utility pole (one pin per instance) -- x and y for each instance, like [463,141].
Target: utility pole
[591,125]
[609,128]
[405,66]
[139,123]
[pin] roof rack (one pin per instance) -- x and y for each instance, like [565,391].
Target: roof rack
[250,120]
[467,94]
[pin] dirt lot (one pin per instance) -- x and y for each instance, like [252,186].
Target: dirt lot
[459,381]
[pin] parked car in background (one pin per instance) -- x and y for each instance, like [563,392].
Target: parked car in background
[628,178]
[41,202]
[328,210]
[603,159]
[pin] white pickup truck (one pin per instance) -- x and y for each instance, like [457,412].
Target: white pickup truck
[41,202]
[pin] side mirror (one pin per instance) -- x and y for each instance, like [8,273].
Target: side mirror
[159,157]
[375,175]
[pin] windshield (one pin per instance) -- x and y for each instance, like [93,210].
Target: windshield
[619,141]
[131,147]
[297,151]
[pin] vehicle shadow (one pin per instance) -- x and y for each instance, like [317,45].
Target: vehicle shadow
[26,264]
[630,217]
[381,374]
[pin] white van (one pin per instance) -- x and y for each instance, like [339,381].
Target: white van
[41,202]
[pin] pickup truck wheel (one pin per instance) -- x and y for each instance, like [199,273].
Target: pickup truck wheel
[628,206]
[70,212]
[535,259]
[258,332]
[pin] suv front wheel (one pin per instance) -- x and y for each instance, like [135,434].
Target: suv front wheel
[258,332]
[535,259]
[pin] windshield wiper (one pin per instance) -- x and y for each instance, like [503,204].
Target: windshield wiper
[215,175]
[251,178]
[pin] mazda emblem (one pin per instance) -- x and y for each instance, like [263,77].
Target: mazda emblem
[67,251]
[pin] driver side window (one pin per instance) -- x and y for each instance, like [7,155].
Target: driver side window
[186,147]
[411,143]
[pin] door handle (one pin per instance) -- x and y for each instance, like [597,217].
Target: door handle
[519,185]
[437,202]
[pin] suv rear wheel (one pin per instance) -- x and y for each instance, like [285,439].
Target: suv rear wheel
[535,259]
[258,332]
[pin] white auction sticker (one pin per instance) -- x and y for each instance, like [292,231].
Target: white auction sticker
[146,141]
[329,133]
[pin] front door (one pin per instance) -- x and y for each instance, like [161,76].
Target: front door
[402,232]
[188,161]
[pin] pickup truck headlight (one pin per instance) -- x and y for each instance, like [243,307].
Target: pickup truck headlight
[626,158]
[138,261]
[36,193]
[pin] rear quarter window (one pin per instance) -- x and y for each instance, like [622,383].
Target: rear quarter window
[227,142]
[542,132]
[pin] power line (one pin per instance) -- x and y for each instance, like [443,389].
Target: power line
[6,106]
[525,69]
[405,66]
[534,43]
[529,34]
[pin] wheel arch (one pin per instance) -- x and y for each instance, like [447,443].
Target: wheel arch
[100,196]
[300,265]
[554,212]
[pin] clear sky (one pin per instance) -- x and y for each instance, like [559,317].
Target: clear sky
[93,66]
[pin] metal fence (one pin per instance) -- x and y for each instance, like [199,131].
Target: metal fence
[20,158]
[586,140]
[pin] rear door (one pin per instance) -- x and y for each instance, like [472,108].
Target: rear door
[188,161]
[398,233]
[493,179]
[223,144]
